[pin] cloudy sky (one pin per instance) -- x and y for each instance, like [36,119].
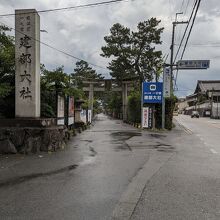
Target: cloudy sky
[80,32]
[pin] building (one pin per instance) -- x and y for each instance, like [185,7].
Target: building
[205,99]
[182,105]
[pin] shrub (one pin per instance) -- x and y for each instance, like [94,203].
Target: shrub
[170,105]
[134,107]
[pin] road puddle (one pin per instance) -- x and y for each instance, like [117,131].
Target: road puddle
[89,141]
[164,147]
[87,160]
[22,179]
[157,135]
[120,138]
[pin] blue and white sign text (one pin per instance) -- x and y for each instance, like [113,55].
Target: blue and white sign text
[152,92]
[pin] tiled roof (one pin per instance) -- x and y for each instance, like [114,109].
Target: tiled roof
[207,85]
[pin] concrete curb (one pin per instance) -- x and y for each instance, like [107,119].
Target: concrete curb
[183,127]
[129,199]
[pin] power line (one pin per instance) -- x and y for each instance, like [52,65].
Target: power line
[194,11]
[58,50]
[184,13]
[70,8]
[208,44]
[203,45]
[187,39]
[197,8]
[184,34]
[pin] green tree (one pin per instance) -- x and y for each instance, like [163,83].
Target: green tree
[53,83]
[112,103]
[134,106]
[7,62]
[83,72]
[7,73]
[134,53]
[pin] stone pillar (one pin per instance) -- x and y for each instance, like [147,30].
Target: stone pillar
[91,97]
[125,101]
[27,63]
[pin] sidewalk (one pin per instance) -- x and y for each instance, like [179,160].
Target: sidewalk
[162,149]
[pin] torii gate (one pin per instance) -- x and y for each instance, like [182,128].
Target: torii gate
[108,87]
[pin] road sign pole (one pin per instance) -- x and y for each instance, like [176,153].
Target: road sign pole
[171,57]
[142,105]
[163,103]
[163,113]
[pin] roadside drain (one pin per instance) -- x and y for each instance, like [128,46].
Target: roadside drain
[21,179]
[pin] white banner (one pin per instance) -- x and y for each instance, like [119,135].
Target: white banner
[145,115]
[166,82]
[89,116]
[60,107]
[83,116]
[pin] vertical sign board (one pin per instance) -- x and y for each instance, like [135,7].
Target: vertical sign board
[147,117]
[152,94]
[83,115]
[166,82]
[150,117]
[145,114]
[27,63]
[60,110]
[71,111]
[90,116]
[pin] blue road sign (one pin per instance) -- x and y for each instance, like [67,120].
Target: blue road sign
[193,64]
[152,92]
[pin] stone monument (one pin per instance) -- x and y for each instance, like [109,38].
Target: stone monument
[27,132]
[27,63]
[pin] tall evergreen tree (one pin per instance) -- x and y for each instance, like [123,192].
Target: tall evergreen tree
[7,73]
[84,72]
[134,53]
[7,62]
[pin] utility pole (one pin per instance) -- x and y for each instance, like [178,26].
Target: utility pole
[171,65]
[172,47]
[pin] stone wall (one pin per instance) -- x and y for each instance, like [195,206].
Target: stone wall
[31,140]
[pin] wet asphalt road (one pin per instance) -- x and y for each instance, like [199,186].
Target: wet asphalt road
[206,129]
[114,168]
[187,186]
[103,166]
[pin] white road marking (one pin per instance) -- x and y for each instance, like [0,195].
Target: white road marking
[214,125]
[214,122]
[213,151]
[189,131]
